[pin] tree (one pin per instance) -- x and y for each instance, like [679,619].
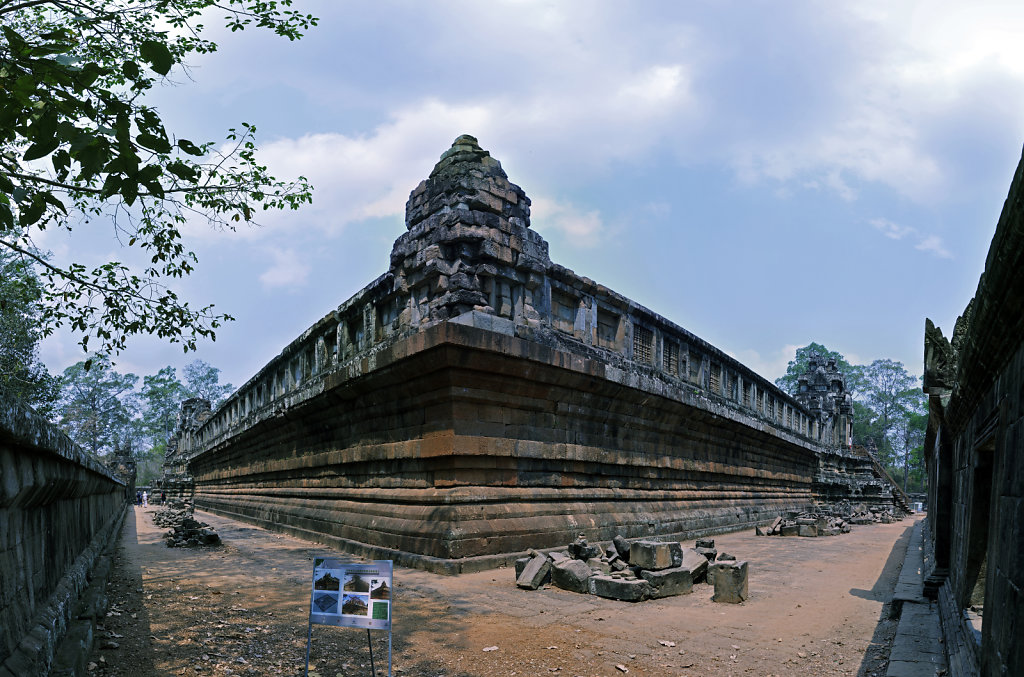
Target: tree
[911,431]
[797,367]
[21,373]
[79,144]
[202,380]
[96,407]
[160,400]
[888,405]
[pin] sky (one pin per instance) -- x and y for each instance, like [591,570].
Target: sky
[763,174]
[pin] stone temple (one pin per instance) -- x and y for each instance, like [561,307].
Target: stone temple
[478,399]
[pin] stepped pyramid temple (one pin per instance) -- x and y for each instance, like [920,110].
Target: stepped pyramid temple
[478,399]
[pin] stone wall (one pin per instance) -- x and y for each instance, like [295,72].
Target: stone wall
[461,447]
[59,508]
[975,385]
[477,400]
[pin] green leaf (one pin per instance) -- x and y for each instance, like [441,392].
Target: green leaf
[153,142]
[130,70]
[182,170]
[189,147]
[157,55]
[33,211]
[40,149]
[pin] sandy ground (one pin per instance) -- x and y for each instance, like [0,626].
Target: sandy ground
[817,607]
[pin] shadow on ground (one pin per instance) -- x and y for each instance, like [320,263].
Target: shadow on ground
[127,623]
[876,657]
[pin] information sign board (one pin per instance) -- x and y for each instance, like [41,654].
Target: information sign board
[352,594]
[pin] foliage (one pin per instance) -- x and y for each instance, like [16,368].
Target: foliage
[852,375]
[96,406]
[101,409]
[149,464]
[78,144]
[888,408]
[21,373]
[160,400]
[202,380]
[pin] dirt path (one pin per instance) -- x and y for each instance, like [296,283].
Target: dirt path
[241,609]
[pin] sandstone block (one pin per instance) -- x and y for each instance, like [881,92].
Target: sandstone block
[624,589]
[571,575]
[520,565]
[790,530]
[710,553]
[597,564]
[622,547]
[807,530]
[652,555]
[695,563]
[536,573]
[668,582]
[730,582]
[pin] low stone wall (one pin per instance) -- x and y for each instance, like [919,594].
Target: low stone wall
[59,508]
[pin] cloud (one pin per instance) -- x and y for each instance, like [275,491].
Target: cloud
[583,228]
[289,270]
[771,366]
[891,230]
[860,96]
[933,244]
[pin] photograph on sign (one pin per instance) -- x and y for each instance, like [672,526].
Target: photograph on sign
[356,583]
[355,605]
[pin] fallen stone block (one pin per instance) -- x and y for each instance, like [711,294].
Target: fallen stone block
[668,582]
[601,565]
[652,555]
[710,553]
[536,573]
[580,549]
[624,589]
[520,565]
[695,563]
[726,557]
[808,530]
[730,582]
[790,530]
[571,575]
[621,546]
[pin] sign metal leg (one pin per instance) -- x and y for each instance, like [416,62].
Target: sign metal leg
[369,641]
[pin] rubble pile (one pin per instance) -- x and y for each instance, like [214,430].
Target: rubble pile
[806,524]
[830,521]
[185,530]
[635,571]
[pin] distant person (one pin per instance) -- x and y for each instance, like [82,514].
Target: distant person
[145,499]
[138,498]
[163,497]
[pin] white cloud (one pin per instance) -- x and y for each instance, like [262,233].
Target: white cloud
[771,366]
[891,230]
[583,228]
[933,244]
[288,270]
